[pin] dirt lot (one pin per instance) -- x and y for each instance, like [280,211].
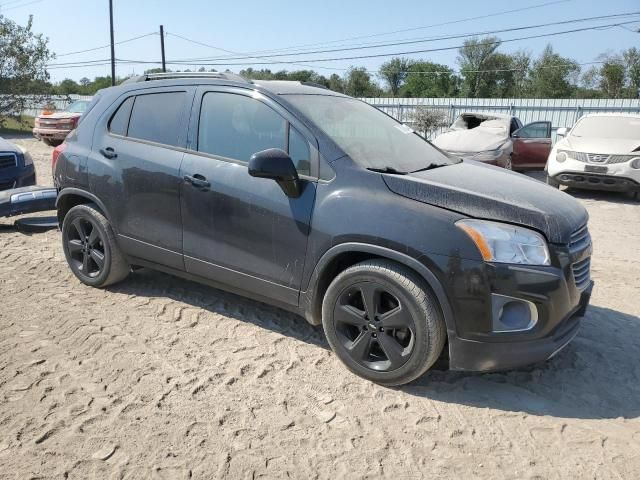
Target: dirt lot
[162,378]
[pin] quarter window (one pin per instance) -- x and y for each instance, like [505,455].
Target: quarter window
[158,117]
[120,120]
[299,152]
[235,126]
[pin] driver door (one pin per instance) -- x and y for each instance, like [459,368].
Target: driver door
[531,146]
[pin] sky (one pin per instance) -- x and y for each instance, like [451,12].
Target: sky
[251,26]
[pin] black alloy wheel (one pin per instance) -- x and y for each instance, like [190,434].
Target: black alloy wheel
[86,247]
[374,327]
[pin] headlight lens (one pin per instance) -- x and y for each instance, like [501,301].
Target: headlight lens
[27,159]
[561,156]
[504,243]
[635,163]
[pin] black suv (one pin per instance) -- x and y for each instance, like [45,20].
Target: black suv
[321,204]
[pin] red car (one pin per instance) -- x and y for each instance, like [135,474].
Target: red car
[499,140]
[53,127]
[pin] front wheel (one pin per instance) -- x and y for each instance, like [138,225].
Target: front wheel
[383,322]
[90,247]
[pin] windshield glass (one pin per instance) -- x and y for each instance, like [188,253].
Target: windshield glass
[608,127]
[371,138]
[78,106]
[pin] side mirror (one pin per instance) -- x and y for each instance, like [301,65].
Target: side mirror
[276,165]
[562,132]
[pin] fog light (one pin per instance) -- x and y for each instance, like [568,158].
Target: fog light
[561,157]
[635,162]
[512,314]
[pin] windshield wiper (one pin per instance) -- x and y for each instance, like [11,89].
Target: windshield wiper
[386,170]
[431,166]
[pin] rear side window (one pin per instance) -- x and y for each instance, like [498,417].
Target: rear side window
[235,126]
[120,120]
[157,117]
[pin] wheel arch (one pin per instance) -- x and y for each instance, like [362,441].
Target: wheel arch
[342,256]
[70,197]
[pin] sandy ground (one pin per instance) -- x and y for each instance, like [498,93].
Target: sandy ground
[162,378]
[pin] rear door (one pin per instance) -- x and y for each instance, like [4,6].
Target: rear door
[531,145]
[135,170]
[240,230]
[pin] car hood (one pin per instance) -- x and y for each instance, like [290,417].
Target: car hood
[6,146]
[488,136]
[609,146]
[491,193]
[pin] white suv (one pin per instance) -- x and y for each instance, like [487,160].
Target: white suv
[601,151]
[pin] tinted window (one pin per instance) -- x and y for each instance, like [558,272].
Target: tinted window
[534,130]
[94,101]
[235,126]
[157,117]
[120,120]
[299,152]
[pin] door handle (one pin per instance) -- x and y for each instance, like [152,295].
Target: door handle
[197,180]
[108,153]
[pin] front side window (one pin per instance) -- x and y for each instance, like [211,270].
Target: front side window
[236,126]
[371,138]
[534,130]
[158,117]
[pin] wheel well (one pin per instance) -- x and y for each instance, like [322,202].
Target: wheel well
[67,202]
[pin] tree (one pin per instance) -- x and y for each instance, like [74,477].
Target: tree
[84,81]
[23,59]
[426,119]
[553,76]
[358,83]
[612,76]
[521,63]
[336,83]
[472,58]
[631,58]
[67,87]
[394,73]
[428,79]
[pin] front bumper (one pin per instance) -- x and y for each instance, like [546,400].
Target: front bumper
[558,295]
[595,181]
[473,355]
[50,133]
[616,177]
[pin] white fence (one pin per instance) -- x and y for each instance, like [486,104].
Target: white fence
[560,112]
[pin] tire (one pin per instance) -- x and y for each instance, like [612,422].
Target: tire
[90,247]
[51,143]
[406,335]
[552,182]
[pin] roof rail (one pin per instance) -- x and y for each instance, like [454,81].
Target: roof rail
[170,75]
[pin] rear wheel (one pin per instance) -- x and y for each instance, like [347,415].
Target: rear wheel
[383,322]
[90,247]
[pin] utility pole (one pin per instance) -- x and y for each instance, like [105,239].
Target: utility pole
[164,65]
[113,54]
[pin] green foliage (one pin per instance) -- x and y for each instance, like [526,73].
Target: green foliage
[23,59]
[475,57]
[553,76]
[358,83]
[394,72]
[427,79]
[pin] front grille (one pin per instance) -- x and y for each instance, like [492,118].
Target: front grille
[581,273]
[580,239]
[8,160]
[600,159]
[48,124]
[579,242]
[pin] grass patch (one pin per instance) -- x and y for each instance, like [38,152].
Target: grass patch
[16,125]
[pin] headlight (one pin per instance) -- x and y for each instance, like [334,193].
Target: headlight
[635,163]
[27,159]
[561,156]
[488,155]
[504,243]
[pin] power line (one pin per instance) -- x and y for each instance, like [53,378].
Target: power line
[411,52]
[411,42]
[20,6]
[106,46]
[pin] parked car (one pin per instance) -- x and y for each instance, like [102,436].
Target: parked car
[321,204]
[53,127]
[16,166]
[498,140]
[600,152]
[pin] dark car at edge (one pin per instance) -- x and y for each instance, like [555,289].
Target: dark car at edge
[320,204]
[16,167]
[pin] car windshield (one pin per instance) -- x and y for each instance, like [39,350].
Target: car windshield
[371,138]
[627,128]
[78,106]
